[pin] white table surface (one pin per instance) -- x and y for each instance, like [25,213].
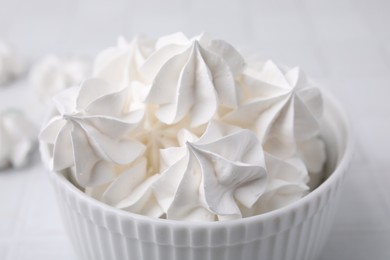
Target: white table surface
[343,44]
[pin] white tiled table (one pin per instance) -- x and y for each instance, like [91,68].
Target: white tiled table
[344,44]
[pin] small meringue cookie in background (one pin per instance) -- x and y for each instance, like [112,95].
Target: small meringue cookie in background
[11,65]
[17,139]
[53,74]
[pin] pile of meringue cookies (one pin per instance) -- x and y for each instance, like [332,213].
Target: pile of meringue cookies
[185,129]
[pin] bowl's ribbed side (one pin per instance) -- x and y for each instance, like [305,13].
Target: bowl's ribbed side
[98,233]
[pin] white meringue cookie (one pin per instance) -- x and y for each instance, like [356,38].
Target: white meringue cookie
[17,139]
[130,190]
[288,180]
[91,132]
[141,200]
[313,154]
[282,108]
[286,183]
[11,64]
[191,77]
[52,74]
[120,65]
[209,177]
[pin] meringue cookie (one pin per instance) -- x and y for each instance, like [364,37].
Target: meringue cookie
[120,65]
[287,182]
[191,77]
[130,190]
[282,108]
[208,179]
[312,152]
[17,139]
[91,132]
[52,74]
[11,64]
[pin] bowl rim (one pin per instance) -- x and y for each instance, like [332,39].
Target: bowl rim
[337,173]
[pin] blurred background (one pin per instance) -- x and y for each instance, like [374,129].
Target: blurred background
[343,44]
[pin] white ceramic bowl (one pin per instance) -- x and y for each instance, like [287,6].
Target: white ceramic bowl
[295,232]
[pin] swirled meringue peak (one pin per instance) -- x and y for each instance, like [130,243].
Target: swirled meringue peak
[209,178]
[282,108]
[120,65]
[191,76]
[186,129]
[90,132]
[286,183]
